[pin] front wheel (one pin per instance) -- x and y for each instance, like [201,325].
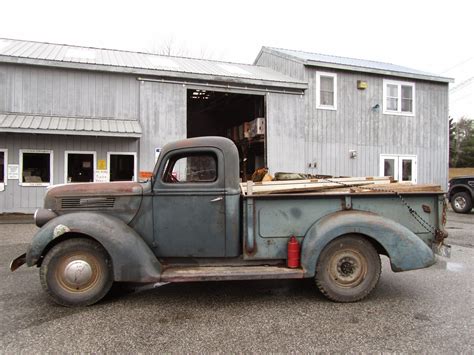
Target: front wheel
[76,272]
[348,269]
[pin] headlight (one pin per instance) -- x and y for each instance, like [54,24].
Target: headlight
[43,216]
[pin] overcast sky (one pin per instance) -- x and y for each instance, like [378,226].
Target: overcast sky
[433,36]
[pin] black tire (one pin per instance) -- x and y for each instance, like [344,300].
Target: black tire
[348,269]
[76,272]
[461,202]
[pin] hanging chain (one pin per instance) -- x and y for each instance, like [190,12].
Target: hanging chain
[438,234]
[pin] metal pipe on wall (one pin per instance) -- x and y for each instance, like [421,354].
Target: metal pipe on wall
[195,83]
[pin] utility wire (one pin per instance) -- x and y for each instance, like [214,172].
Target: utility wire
[462,84]
[457,65]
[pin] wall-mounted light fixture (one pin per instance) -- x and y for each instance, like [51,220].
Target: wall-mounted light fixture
[375,108]
[362,85]
[353,154]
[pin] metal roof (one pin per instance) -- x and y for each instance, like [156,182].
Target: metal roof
[39,53]
[363,65]
[14,123]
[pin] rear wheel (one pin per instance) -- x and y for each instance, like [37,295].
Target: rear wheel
[76,272]
[348,269]
[461,202]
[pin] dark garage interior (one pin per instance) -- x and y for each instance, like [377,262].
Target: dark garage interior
[215,113]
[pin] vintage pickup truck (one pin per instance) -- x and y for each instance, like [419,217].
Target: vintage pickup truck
[191,222]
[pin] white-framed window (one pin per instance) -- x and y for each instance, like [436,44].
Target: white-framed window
[3,167]
[326,91]
[401,167]
[398,98]
[79,166]
[36,167]
[122,166]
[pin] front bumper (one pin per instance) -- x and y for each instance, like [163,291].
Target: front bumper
[17,262]
[442,249]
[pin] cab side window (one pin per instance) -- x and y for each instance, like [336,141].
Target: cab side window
[191,168]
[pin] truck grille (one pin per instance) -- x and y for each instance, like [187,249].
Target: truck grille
[87,202]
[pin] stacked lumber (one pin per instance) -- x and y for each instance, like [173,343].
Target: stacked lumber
[370,184]
[401,187]
[308,185]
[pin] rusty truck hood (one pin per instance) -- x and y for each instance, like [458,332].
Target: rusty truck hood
[119,199]
[121,188]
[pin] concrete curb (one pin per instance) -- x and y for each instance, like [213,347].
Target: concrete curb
[16,218]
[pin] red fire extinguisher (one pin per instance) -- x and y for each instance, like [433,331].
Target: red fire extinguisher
[293,260]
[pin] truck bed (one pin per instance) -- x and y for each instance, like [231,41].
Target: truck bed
[270,218]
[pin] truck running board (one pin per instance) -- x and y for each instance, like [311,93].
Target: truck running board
[221,273]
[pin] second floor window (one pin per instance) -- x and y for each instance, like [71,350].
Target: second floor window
[398,97]
[326,91]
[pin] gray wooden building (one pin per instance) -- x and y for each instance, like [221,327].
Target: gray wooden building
[73,114]
[369,118]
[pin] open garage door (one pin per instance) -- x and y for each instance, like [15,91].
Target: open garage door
[239,117]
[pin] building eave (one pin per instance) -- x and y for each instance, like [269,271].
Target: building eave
[70,133]
[312,63]
[378,71]
[153,72]
[74,126]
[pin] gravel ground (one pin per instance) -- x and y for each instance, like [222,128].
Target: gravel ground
[428,310]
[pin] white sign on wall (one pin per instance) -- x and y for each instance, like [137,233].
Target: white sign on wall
[13,172]
[101,176]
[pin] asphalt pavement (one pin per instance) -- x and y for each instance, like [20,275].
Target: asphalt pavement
[429,310]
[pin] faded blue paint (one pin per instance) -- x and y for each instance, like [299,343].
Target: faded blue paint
[273,219]
[405,249]
[233,246]
[249,227]
[132,258]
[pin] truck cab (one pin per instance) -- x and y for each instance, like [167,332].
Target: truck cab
[196,200]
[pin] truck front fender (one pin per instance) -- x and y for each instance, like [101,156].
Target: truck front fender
[132,259]
[404,248]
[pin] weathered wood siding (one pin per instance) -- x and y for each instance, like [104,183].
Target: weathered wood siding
[356,126]
[162,117]
[74,93]
[329,135]
[26,199]
[285,132]
[61,92]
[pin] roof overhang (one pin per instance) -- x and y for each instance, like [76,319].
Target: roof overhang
[75,126]
[313,63]
[354,68]
[298,85]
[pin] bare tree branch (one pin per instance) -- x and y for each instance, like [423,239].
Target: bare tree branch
[172,47]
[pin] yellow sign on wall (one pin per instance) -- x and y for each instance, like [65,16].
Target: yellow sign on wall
[101,164]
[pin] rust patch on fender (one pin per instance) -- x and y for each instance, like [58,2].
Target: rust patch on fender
[59,230]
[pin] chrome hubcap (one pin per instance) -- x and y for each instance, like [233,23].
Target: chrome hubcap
[78,273]
[460,202]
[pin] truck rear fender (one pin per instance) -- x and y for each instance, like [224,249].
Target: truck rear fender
[404,248]
[132,259]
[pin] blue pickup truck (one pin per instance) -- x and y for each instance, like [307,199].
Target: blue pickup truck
[191,222]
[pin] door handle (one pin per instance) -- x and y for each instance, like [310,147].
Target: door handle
[217,199]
